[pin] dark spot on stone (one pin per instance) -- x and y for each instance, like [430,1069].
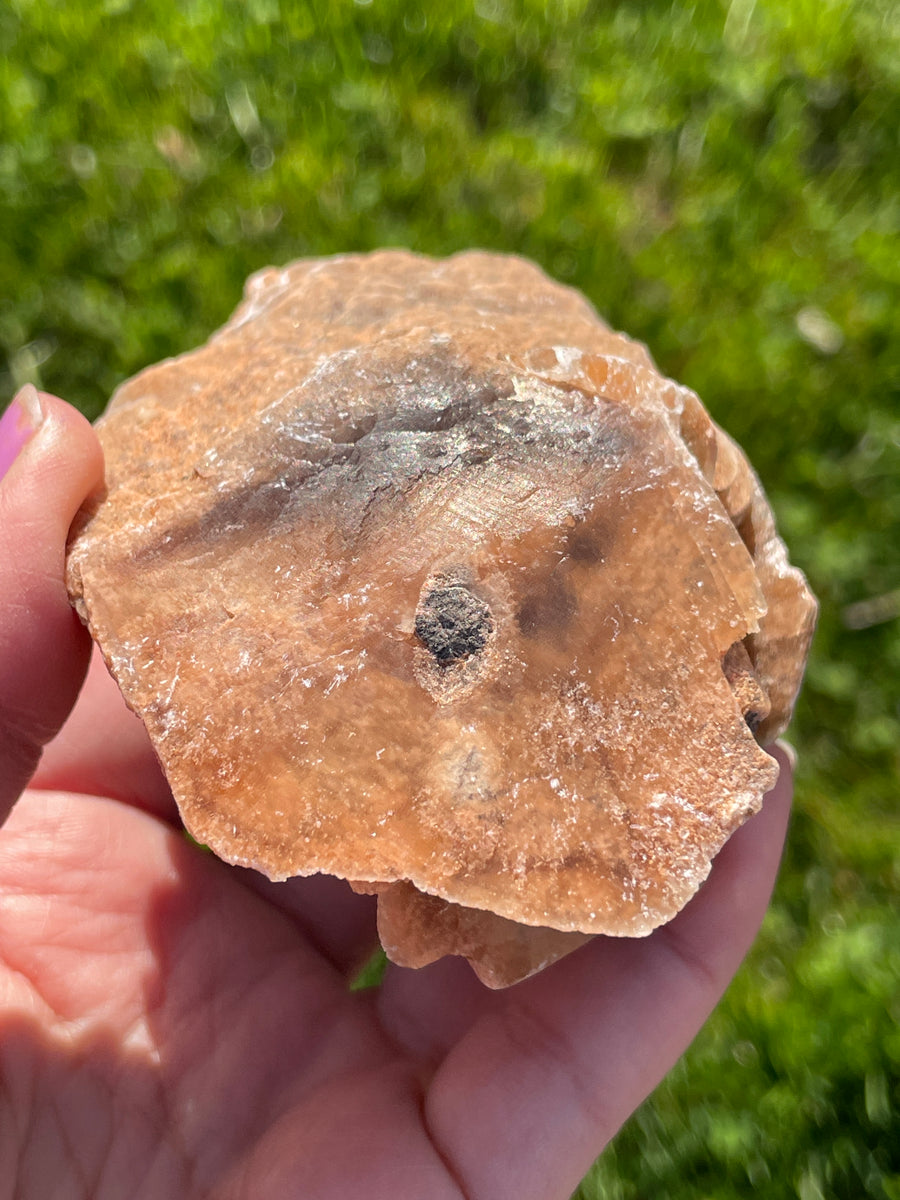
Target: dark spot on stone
[453,623]
[753,719]
[588,543]
[547,610]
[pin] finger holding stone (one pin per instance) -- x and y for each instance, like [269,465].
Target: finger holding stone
[50,462]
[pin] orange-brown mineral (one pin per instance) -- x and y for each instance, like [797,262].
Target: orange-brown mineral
[421,576]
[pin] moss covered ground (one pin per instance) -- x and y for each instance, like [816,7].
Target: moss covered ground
[723,181]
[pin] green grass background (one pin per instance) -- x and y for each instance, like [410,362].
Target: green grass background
[723,181]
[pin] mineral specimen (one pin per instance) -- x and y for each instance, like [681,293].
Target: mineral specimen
[420,576]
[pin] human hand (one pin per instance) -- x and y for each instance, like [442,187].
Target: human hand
[171,1027]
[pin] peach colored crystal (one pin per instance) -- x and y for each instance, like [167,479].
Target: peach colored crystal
[420,576]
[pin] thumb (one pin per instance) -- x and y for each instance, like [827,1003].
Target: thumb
[50,462]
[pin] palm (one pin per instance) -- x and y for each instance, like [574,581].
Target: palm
[175,1034]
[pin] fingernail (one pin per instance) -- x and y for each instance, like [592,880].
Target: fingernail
[788,750]
[20,422]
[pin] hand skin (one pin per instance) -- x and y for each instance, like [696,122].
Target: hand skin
[172,1028]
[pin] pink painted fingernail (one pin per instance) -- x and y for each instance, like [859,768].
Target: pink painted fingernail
[20,422]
